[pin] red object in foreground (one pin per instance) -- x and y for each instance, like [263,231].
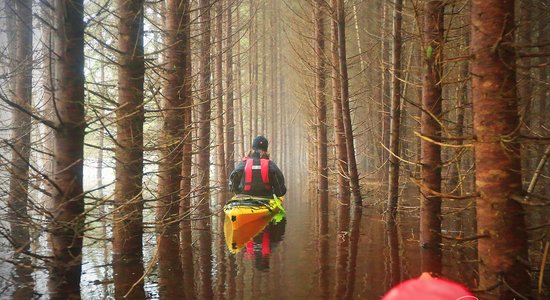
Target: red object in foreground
[427,287]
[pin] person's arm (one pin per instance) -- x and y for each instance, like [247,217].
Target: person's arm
[277,180]
[235,178]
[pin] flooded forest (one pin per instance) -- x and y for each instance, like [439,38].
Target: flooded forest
[274,149]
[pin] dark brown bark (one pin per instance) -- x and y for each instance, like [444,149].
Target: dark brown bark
[186,164]
[68,199]
[203,222]
[128,211]
[21,124]
[393,184]
[240,111]
[319,12]
[393,263]
[355,232]
[229,86]
[20,143]
[343,215]
[352,172]
[430,157]
[48,67]
[525,30]
[218,89]
[321,105]
[339,135]
[170,165]
[385,88]
[498,167]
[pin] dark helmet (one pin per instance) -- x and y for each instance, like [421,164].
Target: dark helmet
[260,143]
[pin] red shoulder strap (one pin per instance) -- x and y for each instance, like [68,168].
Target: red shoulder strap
[264,165]
[248,174]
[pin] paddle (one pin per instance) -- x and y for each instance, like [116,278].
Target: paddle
[278,203]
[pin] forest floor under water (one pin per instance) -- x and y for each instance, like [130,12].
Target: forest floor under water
[290,260]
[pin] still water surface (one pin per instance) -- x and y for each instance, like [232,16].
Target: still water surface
[290,260]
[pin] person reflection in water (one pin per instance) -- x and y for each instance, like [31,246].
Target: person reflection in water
[262,177]
[261,246]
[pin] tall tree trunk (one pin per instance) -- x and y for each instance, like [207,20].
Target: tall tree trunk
[430,204]
[385,87]
[68,198]
[128,211]
[229,86]
[170,165]
[242,148]
[339,136]
[21,147]
[503,248]
[203,222]
[218,87]
[21,123]
[346,113]
[342,163]
[48,83]
[273,70]
[252,66]
[525,88]
[393,184]
[320,100]
[186,164]
[319,12]
[263,113]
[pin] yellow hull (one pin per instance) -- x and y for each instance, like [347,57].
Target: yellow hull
[242,210]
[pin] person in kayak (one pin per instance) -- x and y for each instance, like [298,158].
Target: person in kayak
[256,175]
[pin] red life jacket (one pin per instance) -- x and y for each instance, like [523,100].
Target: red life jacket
[256,177]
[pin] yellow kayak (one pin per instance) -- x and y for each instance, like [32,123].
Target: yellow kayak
[243,209]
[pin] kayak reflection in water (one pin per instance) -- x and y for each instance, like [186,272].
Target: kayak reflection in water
[237,234]
[262,245]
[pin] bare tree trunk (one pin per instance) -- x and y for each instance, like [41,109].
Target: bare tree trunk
[239,91]
[218,87]
[203,222]
[21,127]
[48,83]
[342,164]
[170,165]
[393,185]
[68,199]
[385,88]
[20,144]
[253,70]
[186,164]
[229,86]
[525,88]
[128,212]
[430,204]
[320,99]
[346,113]
[263,113]
[503,248]
[319,12]
[339,137]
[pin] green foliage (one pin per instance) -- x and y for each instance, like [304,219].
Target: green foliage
[429,52]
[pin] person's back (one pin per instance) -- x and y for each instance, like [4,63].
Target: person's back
[256,175]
